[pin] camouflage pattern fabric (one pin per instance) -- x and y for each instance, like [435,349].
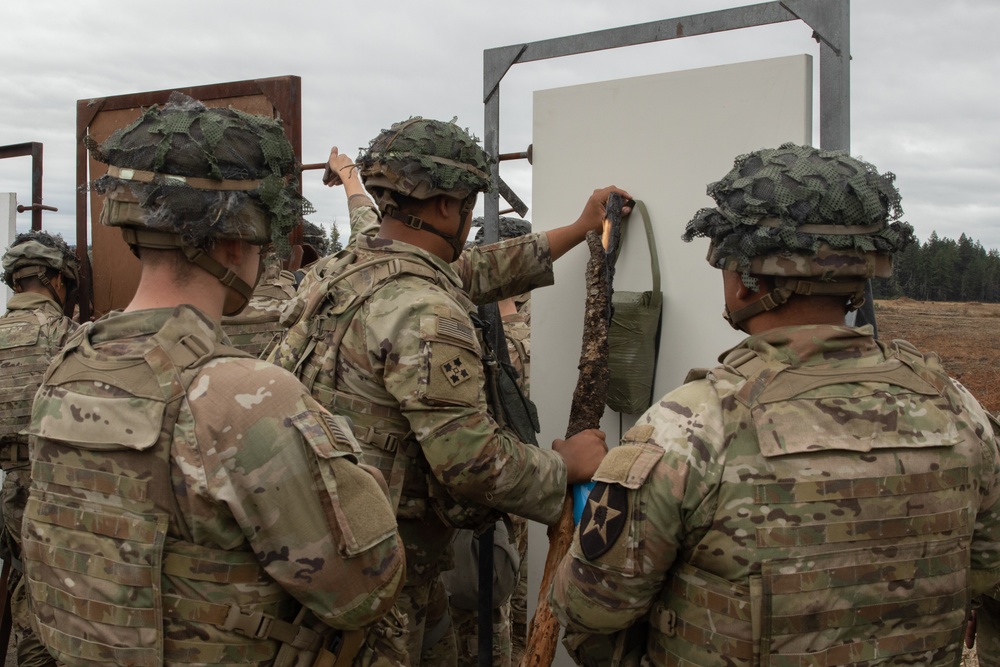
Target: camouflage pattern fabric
[257,330]
[31,333]
[988,630]
[467,632]
[269,507]
[820,498]
[510,619]
[421,158]
[517,329]
[408,366]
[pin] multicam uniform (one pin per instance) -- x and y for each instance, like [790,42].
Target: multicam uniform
[517,329]
[256,329]
[818,499]
[31,333]
[510,619]
[188,500]
[395,349]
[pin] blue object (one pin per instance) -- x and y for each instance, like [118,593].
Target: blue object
[580,494]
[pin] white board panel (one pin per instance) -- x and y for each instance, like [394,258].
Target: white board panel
[8,213]
[663,138]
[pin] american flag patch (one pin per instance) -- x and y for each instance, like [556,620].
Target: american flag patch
[455,330]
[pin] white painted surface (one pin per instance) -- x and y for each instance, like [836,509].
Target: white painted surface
[8,211]
[663,138]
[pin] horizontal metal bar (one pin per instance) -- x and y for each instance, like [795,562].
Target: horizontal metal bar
[655,31]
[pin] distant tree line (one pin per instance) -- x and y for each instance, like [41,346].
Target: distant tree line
[943,270]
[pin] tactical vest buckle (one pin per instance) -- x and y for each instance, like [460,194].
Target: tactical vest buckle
[668,623]
[253,624]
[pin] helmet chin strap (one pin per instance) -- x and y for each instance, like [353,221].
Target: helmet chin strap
[39,272]
[454,241]
[785,287]
[234,303]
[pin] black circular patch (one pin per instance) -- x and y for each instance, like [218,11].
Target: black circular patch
[603,519]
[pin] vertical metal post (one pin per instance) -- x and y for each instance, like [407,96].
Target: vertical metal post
[36,185]
[491,139]
[835,77]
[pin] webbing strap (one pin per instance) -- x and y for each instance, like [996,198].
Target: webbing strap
[247,622]
[667,622]
[202,569]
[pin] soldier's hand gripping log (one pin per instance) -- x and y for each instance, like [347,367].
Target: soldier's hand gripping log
[586,411]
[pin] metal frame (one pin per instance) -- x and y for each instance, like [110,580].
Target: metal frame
[34,149]
[829,19]
[283,92]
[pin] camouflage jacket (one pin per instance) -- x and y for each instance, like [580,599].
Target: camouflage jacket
[256,330]
[259,503]
[818,499]
[31,332]
[517,331]
[408,368]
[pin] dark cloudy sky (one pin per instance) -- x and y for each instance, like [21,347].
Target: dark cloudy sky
[924,75]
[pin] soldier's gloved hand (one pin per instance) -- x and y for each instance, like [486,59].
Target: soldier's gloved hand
[582,453]
[377,474]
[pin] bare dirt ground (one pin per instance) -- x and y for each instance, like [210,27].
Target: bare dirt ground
[965,336]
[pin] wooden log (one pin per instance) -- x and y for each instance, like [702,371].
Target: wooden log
[586,411]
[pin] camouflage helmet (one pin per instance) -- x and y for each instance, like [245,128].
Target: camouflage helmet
[422,158]
[822,221]
[34,252]
[201,174]
[316,237]
[510,228]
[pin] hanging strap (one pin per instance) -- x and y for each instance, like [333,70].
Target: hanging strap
[654,258]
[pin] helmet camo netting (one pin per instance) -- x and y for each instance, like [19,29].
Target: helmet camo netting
[315,236]
[38,248]
[792,186]
[510,228]
[421,158]
[184,138]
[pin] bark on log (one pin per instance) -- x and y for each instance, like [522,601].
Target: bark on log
[586,411]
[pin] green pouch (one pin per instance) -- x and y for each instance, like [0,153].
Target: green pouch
[634,337]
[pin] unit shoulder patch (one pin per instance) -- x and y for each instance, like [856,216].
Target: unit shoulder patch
[455,371]
[603,520]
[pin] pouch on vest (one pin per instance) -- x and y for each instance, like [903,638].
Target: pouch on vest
[510,407]
[634,336]
[462,582]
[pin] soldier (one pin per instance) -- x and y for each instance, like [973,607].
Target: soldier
[43,272]
[386,335]
[256,329]
[190,504]
[819,498]
[510,616]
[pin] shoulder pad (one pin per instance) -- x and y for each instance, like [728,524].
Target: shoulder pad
[696,374]
[629,465]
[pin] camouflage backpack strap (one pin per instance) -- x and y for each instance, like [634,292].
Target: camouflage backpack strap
[369,277]
[301,317]
[370,422]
